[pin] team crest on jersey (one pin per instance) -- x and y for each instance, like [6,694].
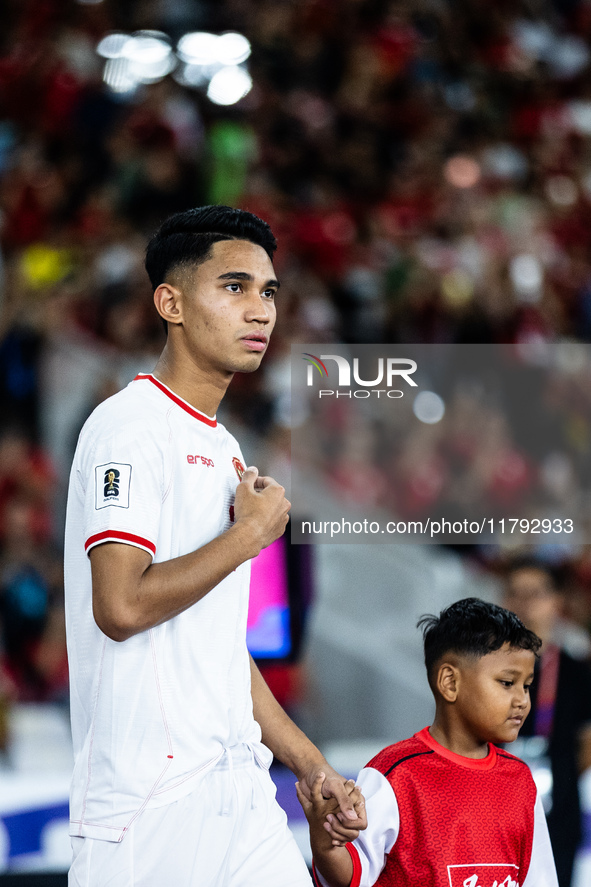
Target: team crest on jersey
[484,875]
[112,483]
[240,469]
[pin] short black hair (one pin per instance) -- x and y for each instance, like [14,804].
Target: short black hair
[472,627]
[186,238]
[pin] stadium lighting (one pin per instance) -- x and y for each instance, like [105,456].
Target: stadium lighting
[229,85]
[150,56]
[211,62]
[232,48]
[191,75]
[203,48]
[118,77]
[147,48]
[198,48]
[111,46]
[145,57]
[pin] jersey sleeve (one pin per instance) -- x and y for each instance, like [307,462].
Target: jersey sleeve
[542,871]
[122,480]
[369,851]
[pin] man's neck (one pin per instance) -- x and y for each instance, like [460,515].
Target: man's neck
[203,390]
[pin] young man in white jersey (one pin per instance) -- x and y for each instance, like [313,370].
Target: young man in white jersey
[173,725]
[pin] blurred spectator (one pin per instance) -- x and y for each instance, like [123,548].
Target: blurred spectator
[31,609]
[26,475]
[561,707]
[30,575]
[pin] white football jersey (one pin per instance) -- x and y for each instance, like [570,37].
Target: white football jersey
[151,713]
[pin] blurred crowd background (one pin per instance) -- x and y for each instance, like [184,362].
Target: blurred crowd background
[494,435]
[425,165]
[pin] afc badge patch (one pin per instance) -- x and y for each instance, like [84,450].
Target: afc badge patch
[112,483]
[239,467]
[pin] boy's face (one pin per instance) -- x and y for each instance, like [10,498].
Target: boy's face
[493,698]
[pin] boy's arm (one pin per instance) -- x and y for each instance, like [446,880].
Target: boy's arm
[332,861]
[368,852]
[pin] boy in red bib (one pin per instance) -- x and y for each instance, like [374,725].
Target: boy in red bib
[447,808]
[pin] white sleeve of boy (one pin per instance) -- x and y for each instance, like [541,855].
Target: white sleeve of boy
[542,871]
[370,849]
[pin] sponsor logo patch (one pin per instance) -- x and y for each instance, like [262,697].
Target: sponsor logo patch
[483,875]
[200,460]
[112,483]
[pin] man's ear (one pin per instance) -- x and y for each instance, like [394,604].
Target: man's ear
[169,303]
[448,681]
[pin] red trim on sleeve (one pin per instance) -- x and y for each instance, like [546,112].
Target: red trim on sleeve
[207,420]
[356,879]
[118,536]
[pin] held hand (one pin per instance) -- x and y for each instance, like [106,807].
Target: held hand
[317,809]
[338,827]
[330,857]
[350,811]
[261,502]
[313,803]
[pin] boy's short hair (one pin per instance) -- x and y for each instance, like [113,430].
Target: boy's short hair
[472,627]
[186,238]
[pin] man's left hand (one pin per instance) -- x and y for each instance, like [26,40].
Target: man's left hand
[350,819]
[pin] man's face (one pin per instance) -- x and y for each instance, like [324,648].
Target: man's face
[228,307]
[530,595]
[493,694]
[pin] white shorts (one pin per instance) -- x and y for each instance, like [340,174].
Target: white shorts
[228,832]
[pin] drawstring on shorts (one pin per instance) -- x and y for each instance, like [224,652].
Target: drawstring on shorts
[235,758]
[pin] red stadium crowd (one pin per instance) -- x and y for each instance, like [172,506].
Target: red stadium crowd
[426,168]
